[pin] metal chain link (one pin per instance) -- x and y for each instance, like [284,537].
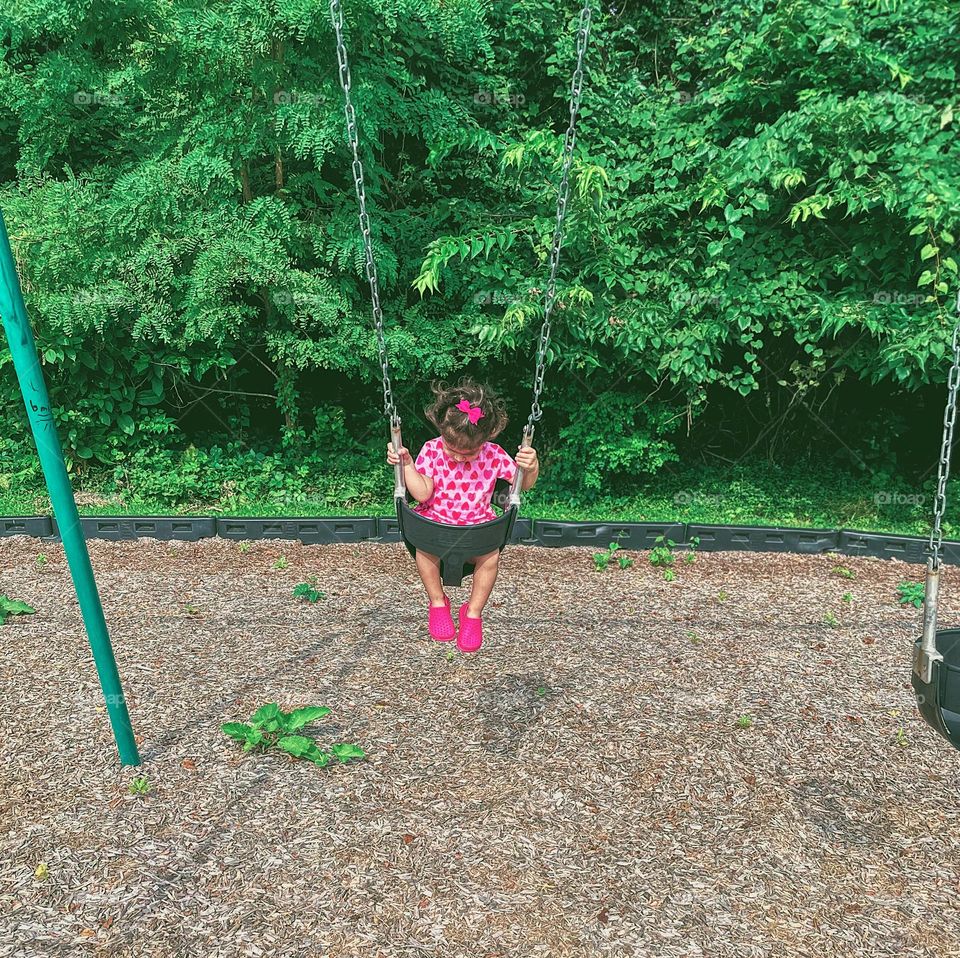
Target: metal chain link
[576,91]
[949,418]
[336,14]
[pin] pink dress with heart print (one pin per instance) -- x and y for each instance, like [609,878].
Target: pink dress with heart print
[462,490]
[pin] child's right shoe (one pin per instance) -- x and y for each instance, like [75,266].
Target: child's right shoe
[441,622]
[471,631]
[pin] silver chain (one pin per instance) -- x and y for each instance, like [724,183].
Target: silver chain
[576,91]
[949,418]
[336,14]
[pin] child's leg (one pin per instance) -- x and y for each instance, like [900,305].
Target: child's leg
[429,568]
[484,576]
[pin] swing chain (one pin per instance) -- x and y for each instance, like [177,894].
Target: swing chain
[576,92]
[949,419]
[336,14]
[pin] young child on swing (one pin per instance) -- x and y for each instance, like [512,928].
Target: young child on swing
[452,480]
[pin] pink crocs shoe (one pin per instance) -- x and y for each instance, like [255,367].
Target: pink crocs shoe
[471,631]
[441,622]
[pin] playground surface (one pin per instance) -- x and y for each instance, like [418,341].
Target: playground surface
[728,764]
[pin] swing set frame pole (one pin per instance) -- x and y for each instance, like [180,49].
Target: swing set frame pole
[23,348]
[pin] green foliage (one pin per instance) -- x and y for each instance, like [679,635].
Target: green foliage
[272,728]
[661,555]
[308,591]
[601,560]
[140,786]
[765,205]
[612,442]
[911,593]
[10,607]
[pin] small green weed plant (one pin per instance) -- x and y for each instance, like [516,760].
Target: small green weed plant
[911,593]
[10,607]
[602,559]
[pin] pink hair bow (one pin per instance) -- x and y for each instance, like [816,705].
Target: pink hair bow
[474,412]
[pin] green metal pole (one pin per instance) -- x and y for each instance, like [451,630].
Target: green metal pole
[34,389]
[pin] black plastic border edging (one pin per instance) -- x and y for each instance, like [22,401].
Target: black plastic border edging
[306,530]
[36,526]
[117,528]
[720,538]
[538,532]
[632,535]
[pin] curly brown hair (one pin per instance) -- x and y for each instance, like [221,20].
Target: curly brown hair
[455,425]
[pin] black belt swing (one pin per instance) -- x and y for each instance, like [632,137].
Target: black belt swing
[936,654]
[454,545]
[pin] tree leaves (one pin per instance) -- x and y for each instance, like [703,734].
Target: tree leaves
[186,224]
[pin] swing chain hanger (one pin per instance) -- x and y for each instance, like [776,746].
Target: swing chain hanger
[576,92]
[949,419]
[336,13]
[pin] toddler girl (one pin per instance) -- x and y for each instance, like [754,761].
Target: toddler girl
[452,480]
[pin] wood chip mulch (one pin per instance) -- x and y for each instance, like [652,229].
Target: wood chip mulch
[629,767]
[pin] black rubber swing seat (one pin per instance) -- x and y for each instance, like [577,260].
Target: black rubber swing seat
[456,544]
[939,699]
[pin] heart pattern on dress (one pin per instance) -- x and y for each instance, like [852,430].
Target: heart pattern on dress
[461,491]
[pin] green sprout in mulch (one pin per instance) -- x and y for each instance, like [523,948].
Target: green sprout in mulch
[661,555]
[281,563]
[911,593]
[10,606]
[308,590]
[602,559]
[272,728]
[140,785]
[662,552]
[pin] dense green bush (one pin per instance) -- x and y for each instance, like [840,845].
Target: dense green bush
[766,200]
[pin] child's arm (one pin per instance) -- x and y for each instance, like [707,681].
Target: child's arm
[420,487]
[528,461]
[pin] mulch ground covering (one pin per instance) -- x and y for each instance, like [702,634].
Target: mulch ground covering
[583,786]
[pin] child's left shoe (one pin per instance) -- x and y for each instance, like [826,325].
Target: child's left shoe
[441,622]
[470,637]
